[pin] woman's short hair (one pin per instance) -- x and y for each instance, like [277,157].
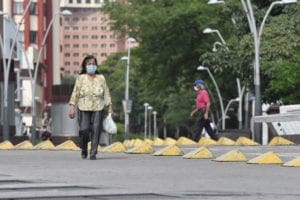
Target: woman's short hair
[83,64]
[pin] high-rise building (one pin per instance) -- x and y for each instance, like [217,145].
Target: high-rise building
[86,32]
[31,25]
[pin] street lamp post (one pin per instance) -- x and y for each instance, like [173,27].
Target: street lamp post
[209,30]
[33,81]
[218,92]
[127,103]
[154,124]
[5,128]
[149,108]
[145,120]
[247,6]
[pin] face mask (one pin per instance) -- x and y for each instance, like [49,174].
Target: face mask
[91,69]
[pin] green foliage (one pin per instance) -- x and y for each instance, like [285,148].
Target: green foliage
[172,44]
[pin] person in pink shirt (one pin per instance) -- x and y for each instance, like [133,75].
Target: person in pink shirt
[202,108]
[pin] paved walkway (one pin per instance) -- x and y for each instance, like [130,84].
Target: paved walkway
[43,174]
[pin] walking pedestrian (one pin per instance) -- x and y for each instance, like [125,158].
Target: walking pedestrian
[90,96]
[202,108]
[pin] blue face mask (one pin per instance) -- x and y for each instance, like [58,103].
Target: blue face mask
[91,69]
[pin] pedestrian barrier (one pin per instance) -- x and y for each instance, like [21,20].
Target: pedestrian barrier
[171,150]
[116,147]
[185,141]
[67,145]
[170,141]
[200,153]
[204,141]
[266,159]
[25,145]
[232,156]
[144,148]
[243,141]
[158,142]
[225,141]
[277,141]
[6,145]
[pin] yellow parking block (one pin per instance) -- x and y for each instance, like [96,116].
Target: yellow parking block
[232,156]
[158,142]
[45,145]
[170,141]
[266,158]
[67,145]
[225,141]
[149,141]
[171,150]
[116,147]
[204,141]
[243,141]
[200,153]
[280,141]
[144,148]
[25,145]
[6,145]
[293,163]
[185,141]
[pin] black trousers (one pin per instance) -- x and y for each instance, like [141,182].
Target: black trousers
[90,128]
[203,123]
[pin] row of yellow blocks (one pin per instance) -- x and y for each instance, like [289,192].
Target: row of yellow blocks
[241,141]
[70,145]
[138,146]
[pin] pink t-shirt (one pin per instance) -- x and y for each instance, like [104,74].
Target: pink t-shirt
[202,99]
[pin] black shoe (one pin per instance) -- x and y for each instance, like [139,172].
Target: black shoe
[92,157]
[83,155]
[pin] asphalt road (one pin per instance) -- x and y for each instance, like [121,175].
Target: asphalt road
[43,174]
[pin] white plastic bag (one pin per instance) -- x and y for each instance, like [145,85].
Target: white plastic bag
[109,125]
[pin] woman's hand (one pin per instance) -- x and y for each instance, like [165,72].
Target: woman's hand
[72,111]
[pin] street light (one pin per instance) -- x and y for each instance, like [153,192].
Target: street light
[150,108]
[5,128]
[215,2]
[247,6]
[154,124]
[214,49]
[127,103]
[201,68]
[33,82]
[145,120]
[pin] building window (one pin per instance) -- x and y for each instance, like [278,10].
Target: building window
[94,28]
[67,55]
[94,36]
[103,45]
[18,8]
[85,46]
[87,1]
[78,1]
[94,19]
[75,45]
[112,45]
[112,36]
[75,19]
[84,28]
[67,28]
[76,63]
[67,63]
[94,45]
[97,1]
[75,36]
[103,36]
[103,28]
[33,9]
[85,37]
[76,54]
[67,46]
[70,1]
[85,19]
[103,54]
[67,37]
[33,36]
[75,28]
